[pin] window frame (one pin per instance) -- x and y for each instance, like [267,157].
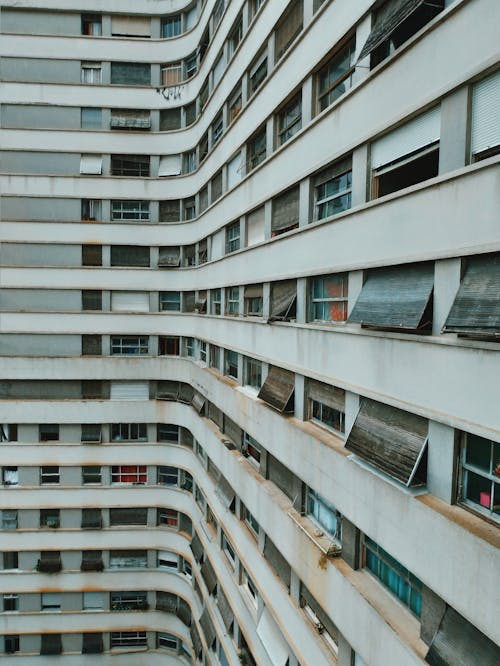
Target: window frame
[123,211]
[170,301]
[129,432]
[250,373]
[315,301]
[48,475]
[467,468]
[323,203]
[286,125]
[327,93]
[129,474]
[315,505]
[91,73]
[129,345]
[230,363]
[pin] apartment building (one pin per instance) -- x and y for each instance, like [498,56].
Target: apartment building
[249,332]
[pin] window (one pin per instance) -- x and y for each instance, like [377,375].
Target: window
[49,474]
[135,119]
[168,517]
[9,519]
[232,300]
[130,165]
[255,5]
[91,474]
[190,69]
[10,560]
[91,72]
[485,133]
[188,347]
[170,119]
[91,255]
[231,363]
[51,601]
[127,601]
[129,474]
[228,550]
[233,237]
[169,345]
[252,373]
[11,602]
[11,643]
[91,210]
[235,104]
[91,118]
[214,357]
[48,432]
[166,641]
[50,518]
[249,519]
[257,149]
[289,26]
[332,191]
[216,186]
[125,346]
[251,448]
[217,129]
[480,475]
[324,513]
[128,639]
[403,584]
[131,73]
[190,163]
[249,585]
[289,120]
[216,298]
[170,301]
[91,299]
[134,516]
[91,25]
[168,560]
[168,433]
[171,26]
[203,351]
[253,301]
[10,476]
[129,432]
[257,73]
[335,78]
[92,600]
[130,211]
[91,433]
[168,476]
[200,499]
[190,112]
[217,12]
[235,36]
[171,74]
[8,432]
[406,172]
[329,298]
[327,415]
[285,211]
[203,198]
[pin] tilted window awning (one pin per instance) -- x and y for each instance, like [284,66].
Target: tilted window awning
[278,389]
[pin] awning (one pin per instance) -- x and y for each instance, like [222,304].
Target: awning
[198,402]
[283,297]
[195,639]
[277,561]
[285,210]
[272,639]
[393,13]
[50,561]
[92,643]
[184,612]
[197,547]
[253,291]
[476,309]
[459,642]
[225,492]
[92,560]
[167,390]
[396,297]
[390,439]
[209,576]
[166,601]
[225,609]
[208,627]
[278,388]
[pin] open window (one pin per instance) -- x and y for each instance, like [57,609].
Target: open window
[332,189]
[391,440]
[285,212]
[397,298]
[283,300]
[479,486]
[326,405]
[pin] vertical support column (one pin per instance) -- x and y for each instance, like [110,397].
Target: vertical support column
[360,175]
[447,273]
[307,101]
[266,302]
[300,400]
[441,461]
[351,410]
[454,139]
[355,284]
[268,216]
[301,307]
[304,202]
[270,136]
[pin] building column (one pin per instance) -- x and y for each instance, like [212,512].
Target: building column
[454,140]
[447,274]
[441,461]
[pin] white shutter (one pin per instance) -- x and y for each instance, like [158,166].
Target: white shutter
[170,165]
[218,248]
[136,26]
[272,639]
[418,133]
[129,391]
[91,164]
[130,301]
[51,599]
[219,69]
[255,227]
[234,170]
[486,114]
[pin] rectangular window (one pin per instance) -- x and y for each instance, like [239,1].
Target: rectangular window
[335,78]
[203,351]
[91,72]
[168,433]
[171,26]
[285,211]
[404,585]
[217,129]
[51,601]
[11,643]
[91,118]
[228,550]
[327,415]
[168,560]
[91,210]
[253,300]
[50,518]
[91,299]
[168,476]
[128,559]
[130,211]
[480,475]
[332,191]
[169,345]
[92,601]
[289,26]
[135,119]
[129,432]
[232,300]
[235,104]
[217,12]
[168,517]
[328,296]
[214,357]
[129,474]
[8,432]
[171,74]
[324,513]
[49,474]
[10,560]
[233,237]
[128,639]
[91,474]
[188,347]
[257,149]
[130,165]
[91,25]
[257,73]
[130,255]
[231,363]
[252,373]
[9,519]
[48,432]
[249,519]
[129,346]
[131,73]
[216,301]
[485,132]
[10,476]
[190,69]
[289,120]
[91,255]
[170,301]
[252,449]
[126,601]
[11,602]
[167,641]
[249,585]
[235,36]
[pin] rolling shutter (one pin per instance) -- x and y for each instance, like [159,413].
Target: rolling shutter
[289,27]
[396,297]
[185,523]
[208,575]
[333,171]
[458,642]
[278,389]
[131,26]
[169,257]
[392,440]
[92,560]
[130,255]
[208,627]
[284,478]
[130,301]
[166,601]
[129,119]
[326,394]
[485,117]
[135,516]
[51,644]
[255,227]
[225,609]
[235,170]
[285,211]
[284,295]
[233,431]
[272,639]
[197,547]
[91,164]
[170,165]
[50,561]
[195,639]
[476,309]
[418,133]
[131,73]
[92,643]
[218,69]
[198,402]
[186,393]
[167,390]
[184,612]
[323,617]
[91,519]
[277,561]
[129,391]
[392,14]
[216,415]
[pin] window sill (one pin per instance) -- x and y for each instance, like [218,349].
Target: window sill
[329,546]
